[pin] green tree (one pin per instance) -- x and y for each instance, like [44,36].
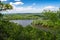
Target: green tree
[5,6]
[3,33]
[50,15]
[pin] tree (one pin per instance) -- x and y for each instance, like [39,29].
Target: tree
[3,33]
[58,12]
[50,15]
[5,6]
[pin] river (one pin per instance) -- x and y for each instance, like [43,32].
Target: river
[22,22]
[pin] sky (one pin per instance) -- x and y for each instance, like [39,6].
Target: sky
[32,6]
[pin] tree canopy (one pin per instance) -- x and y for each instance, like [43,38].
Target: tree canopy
[5,6]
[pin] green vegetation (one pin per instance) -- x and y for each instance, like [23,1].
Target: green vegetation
[5,7]
[11,31]
[50,19]
[47,28]
[50,31]
[50,22]
[8,30]
[22,16]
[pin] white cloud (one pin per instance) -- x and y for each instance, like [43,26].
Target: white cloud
[3,0]
[30,9]
[25,10]
[49,7]
[14,0]
[52,8]
[16,3]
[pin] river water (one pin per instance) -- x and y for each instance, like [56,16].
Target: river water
[22,22]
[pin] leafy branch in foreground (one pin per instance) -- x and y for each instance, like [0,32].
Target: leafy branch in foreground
[5,6]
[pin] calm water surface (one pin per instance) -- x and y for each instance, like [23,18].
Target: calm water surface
[22,22]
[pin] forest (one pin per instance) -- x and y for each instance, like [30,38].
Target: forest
[22,16]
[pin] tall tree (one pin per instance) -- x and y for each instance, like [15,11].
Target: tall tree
[3,33]
[50,15]
[4,7]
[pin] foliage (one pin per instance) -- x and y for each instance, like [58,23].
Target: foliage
[50,21]
[11,31]
[5,6]
[50,15]
[21,17]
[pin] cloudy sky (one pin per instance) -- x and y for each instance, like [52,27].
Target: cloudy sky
[32,6]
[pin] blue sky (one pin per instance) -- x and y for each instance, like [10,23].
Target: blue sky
[32,6]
